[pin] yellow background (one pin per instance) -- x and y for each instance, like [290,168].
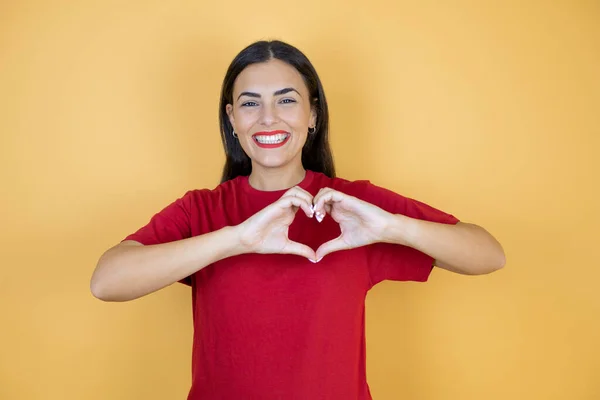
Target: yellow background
[108,112]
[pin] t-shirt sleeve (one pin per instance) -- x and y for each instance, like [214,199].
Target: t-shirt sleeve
[396,262]
[170,224]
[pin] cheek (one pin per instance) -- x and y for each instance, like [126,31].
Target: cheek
[295,117]
[245,119]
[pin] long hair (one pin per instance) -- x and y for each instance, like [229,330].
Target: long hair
[316,153]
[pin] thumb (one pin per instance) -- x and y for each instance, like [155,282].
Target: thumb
[331,246]
[299,249]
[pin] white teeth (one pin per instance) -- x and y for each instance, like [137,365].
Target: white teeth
[272,139]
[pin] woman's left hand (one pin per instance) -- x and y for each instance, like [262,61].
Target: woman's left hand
[361,223]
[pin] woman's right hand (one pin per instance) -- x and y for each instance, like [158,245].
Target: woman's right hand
[266,232]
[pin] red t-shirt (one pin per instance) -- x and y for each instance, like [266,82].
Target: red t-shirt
[277,326]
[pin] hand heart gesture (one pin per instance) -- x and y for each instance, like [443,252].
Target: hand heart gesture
[361,223]
[266,232]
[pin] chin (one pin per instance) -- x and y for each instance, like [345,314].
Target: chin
[272,161]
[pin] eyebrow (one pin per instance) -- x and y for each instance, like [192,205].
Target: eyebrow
[276,93]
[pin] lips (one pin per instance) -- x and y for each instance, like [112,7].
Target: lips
[271,139]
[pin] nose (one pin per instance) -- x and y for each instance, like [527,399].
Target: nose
[268,115]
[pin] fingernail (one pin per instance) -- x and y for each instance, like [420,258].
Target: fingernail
[312,261]
[320,217]
[312,208]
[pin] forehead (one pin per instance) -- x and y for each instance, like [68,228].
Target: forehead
[268,77]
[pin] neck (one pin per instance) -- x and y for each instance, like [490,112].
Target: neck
[271,179]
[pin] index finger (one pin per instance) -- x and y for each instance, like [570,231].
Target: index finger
[326,195]
[297,191]
[300,202]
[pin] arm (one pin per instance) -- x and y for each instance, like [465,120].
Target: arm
[131,270]
[462,248]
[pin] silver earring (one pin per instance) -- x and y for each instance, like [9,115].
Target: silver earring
[235,134]
[311,130]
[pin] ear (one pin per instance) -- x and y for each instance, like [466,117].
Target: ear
[312,121]
[229,111]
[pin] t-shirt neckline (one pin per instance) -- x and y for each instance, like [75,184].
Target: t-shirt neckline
[304,184]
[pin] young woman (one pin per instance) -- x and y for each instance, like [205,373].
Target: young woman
[281,254]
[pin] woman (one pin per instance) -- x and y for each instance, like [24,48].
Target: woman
[278,296]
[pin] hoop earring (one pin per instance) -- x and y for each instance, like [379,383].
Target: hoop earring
[311,131]
[234,134]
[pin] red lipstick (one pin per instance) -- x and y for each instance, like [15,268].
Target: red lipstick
[271,139]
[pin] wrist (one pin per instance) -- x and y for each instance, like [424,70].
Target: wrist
[243,240]
[400,230]
[233,235]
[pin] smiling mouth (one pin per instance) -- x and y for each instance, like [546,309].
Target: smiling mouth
[271,139]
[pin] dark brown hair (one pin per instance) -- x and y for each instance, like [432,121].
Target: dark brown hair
[316,153]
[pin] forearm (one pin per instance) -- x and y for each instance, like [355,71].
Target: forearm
[130,270]
[462,248]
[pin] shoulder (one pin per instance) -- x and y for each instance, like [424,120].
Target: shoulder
[204,196]
[363,189]
[390,200]
[351,187]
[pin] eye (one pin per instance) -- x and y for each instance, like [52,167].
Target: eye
[249,104]
[288,101]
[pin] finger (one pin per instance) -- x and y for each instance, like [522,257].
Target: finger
[299,249]
[329,247]
[327,207]
[320,213]
[293,201]
[301,193]
[327,196]
[304,192]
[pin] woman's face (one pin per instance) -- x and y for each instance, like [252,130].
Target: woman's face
[271,113]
